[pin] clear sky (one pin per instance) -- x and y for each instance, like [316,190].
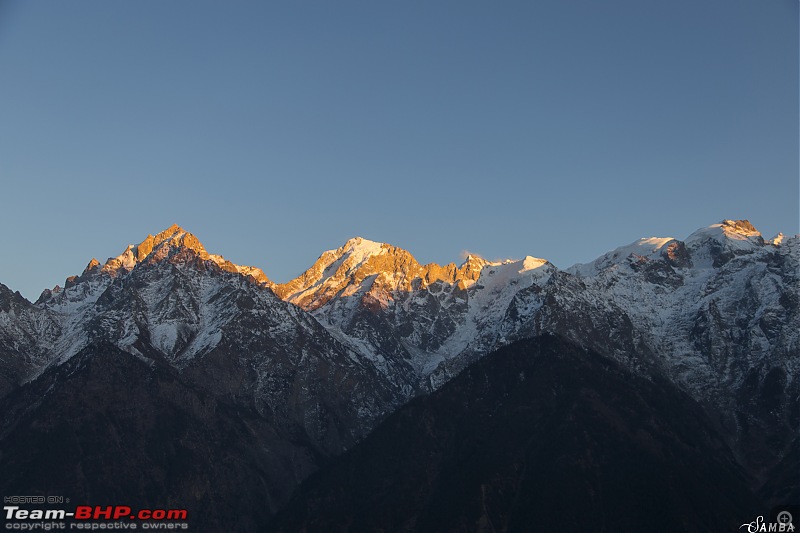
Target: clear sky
[274,130]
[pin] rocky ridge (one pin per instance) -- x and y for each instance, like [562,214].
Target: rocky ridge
[367,327]
[169,310]
[717,313]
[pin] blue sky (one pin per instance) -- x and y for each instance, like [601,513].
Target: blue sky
[276,130]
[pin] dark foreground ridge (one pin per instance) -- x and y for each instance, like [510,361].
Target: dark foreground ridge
[106,428]
[538,436]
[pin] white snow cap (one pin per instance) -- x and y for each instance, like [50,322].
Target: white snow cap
[727,230]
[650,247]
[361,249]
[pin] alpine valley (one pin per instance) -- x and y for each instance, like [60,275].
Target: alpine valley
[655,388]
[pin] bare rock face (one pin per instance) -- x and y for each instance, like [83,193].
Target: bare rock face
[676,255]
[742,227]
[26,334]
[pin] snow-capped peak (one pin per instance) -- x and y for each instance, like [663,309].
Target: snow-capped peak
[509,269]
[335,269]
[530,263]
[93,264]
[359,249]
[719,243]
[377,267]
[160,245]
[648,247]
[733,231]
[777,239]
[174,244]
[706,246]
[474,261]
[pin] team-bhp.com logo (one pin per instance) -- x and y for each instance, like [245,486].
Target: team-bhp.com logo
[122,515]
[783,524]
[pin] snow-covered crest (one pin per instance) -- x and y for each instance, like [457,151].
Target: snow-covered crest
[174,313]
[711,312]
[361,265]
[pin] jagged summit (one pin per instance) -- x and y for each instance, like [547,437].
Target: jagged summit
[736,230]
[651,248]
[362,245]
[170,241]
[174,244]
[777,239]
[742,227]
[93,264]
[374,267]
[345,266]
[176,241]
[717,244]
[710,246]
[472,265]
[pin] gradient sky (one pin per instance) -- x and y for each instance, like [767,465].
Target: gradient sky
[276,130]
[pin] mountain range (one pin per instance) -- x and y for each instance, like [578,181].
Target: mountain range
[169,375]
